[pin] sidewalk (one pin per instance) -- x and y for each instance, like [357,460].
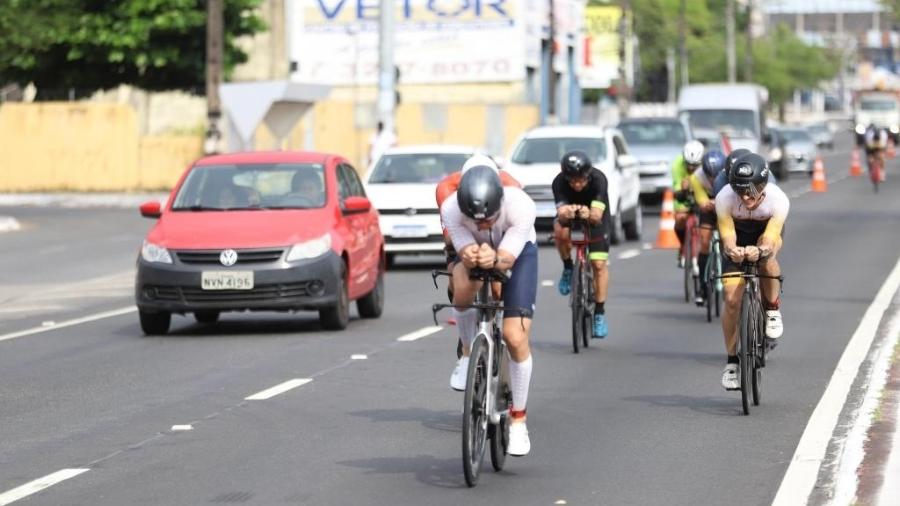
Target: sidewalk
[80,200]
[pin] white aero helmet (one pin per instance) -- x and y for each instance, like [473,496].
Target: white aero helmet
[478,160]
[693,153]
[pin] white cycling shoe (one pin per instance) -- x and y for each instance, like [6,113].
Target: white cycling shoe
[458,378]
[774,325]
[519,442]
[730,377]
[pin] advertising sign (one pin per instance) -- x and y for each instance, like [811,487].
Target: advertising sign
[601,46]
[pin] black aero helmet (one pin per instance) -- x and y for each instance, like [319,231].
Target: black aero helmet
[713,163]
[733,157]
[480,192]
[575,164]
[749,175]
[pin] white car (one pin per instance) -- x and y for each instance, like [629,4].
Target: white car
[401,185]
[534,162]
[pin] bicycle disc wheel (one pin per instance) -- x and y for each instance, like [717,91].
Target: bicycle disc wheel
[688,264]
[577,307]
[499,434]
[587,315]
[475,415]
[746,353]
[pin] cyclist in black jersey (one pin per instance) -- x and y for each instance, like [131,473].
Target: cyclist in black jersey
[581,190]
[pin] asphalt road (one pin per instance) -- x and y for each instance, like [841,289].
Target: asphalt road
[639,418]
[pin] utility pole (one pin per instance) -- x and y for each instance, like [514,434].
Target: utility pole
[215,22]
[551,109]
[670,73]
[729,41]
[386,82]
[748,55]
[682,42]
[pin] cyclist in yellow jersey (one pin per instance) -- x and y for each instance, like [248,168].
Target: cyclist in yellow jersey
[682,168]
[751,216]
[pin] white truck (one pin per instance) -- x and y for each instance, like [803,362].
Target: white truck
[879,108]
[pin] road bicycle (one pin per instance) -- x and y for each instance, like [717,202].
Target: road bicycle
[581,298]
[752,346]
[689,251]
[876,167]
[713,277]
[488,396]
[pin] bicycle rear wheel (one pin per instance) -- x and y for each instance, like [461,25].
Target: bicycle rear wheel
[717,282]
[576,299]
[587,315]
[499,434]
[475,413]
[746,352]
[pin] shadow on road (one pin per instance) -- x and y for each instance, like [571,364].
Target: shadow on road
[444,473]
[446,421]
[719,406]
[702,358]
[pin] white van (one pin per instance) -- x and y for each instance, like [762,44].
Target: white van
[738,110]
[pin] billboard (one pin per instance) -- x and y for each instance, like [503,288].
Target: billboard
[335,42]
[601,46]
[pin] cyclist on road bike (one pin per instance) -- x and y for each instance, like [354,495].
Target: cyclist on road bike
[751,215]
[702,187]
[492,227]
[581,191]
[683,166]
[876,142]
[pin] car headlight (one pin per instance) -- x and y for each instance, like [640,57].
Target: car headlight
[156,254]
[775,154]
[860,129]
[310,249]
[895,129]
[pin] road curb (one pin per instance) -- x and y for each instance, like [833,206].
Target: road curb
[80,200]
[9,224]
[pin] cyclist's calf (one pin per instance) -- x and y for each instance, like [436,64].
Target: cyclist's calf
[515,332]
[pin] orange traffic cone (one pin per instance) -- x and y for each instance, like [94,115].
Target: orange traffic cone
[855,167]
[819,184]
[667,239]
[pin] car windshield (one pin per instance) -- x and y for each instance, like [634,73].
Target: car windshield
[551,150]
[818,129]
[416,167]
[252,186]
[797,135]
[735,123]
[653,133]
[878,105]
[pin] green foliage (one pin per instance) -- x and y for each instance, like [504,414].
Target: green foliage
[98,44]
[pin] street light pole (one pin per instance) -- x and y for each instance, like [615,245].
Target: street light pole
[215,22]
[386,83]
[682,42]
[729,41]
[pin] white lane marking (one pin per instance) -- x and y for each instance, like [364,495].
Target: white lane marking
[890,489]
[37,485]
[176,428]
[419,334]
[631,253]
[547,282]
[9,224]
[358,357]
[801,474]
[69,323]
[278,389]
[48,323]
[647,245]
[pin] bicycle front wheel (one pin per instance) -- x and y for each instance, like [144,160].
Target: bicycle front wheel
[746,353]
[475,411]
[587,315]
[499,434]
[688,263]
[577,303]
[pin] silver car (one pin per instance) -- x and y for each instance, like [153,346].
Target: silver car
[798,150]
[821,134]
[655,142]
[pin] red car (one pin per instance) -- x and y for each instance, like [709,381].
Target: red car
[280,231]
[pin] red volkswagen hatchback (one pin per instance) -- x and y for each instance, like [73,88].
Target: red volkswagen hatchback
[278,231]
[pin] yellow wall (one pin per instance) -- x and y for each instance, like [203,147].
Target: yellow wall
[90,146]
[85,147]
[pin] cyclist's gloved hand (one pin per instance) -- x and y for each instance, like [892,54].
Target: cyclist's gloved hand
[752,253]
[736,254]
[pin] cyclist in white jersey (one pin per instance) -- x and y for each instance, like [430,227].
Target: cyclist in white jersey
[492,227]
[751,216]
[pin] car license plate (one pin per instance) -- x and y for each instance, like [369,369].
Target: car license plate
[226,280]
[545,209]
[407,231]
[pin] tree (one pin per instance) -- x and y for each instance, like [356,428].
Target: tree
[89,45]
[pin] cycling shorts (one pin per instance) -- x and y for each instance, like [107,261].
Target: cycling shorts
[598,247]
[520,291]
[707,218]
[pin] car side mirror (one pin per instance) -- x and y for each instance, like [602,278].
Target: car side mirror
[151,209]
[357,204]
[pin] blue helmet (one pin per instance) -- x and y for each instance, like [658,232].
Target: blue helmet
[713,163]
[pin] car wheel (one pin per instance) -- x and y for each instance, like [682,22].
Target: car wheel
[206,317]
[616,234]
[635,227]
[155,324]
[337,316]
[372,304]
